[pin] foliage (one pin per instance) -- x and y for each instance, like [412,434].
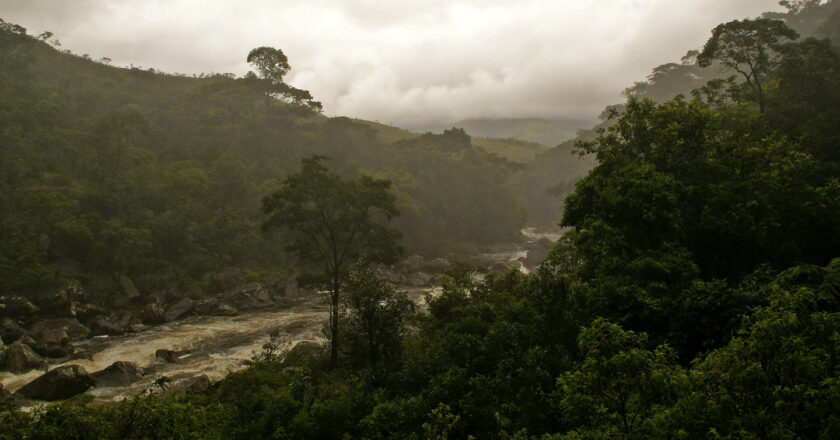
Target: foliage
[334,223]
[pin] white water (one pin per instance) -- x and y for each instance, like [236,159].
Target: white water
[216,346]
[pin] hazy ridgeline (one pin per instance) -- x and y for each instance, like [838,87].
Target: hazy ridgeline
[696,296]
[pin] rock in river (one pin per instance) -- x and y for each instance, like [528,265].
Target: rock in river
[179,310]
[60,383]
[19,358]
[153,314]
[120,373]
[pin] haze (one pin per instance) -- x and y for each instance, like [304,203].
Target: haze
[410,64]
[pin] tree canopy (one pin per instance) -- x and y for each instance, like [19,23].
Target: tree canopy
[333,223]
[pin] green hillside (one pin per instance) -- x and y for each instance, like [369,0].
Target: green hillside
[110,170]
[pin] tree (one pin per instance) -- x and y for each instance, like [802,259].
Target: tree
[333,223]
[272,65]
[749,48]
[375,316]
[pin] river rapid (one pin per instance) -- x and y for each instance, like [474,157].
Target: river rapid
[217,346]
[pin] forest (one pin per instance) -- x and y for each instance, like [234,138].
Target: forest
[695,294]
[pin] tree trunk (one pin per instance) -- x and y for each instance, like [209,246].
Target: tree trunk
[334,324]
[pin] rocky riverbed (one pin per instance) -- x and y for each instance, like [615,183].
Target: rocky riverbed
[65,345]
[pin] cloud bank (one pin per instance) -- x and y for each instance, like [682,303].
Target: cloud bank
[411,64]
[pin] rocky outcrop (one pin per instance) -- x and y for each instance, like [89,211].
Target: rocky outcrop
[10,330]
[153,314]
[213,307]
[120,373]
[58,384]
[86,312]
[19,358]
[74,329]
[249,296]
[17,307]
[129,290]
[4,395]
[103,325]
[169,356]
[190,385]
[179,310]
[61,302]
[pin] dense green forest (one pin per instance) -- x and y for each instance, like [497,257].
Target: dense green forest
[109,171]
[697,295]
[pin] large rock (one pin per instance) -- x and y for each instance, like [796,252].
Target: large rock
[120,373]
[391,276]
[17,307]
[86,312]
[61,302]
[102,325]
[190,385]
[74,329]
[58,384]
[10,330]
[52,342]
[413,263]
[249,296]
[19,358]
[418,279]
[212,307]
[2,352]
[129,290]
[153,314]
[437,266]
[179,310]
[170,356]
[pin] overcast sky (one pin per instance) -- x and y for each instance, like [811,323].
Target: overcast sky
[410,63]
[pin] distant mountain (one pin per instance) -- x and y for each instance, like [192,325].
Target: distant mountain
[541,131]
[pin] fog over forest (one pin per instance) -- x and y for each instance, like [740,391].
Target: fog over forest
[418,65]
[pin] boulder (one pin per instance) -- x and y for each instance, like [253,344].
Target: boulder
[437,266]
[159,297]
[179,310]
[129,290]
[19,358]
[249,296]
[4,395]
[153,314]
[61,302]
[226,310]
[292,289]
[190,385]
[74,329]
[10,330]
[390,275]
[17,307]
[413,263]
[120,373]
[102,325]
[418,279]
[61,383]
[212,307]
[2,352]
[86,312]
[166,355]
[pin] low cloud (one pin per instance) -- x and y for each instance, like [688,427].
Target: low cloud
[407,63]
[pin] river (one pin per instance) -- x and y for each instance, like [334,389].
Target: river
[216,346]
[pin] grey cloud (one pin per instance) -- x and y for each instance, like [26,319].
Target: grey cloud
[408,63]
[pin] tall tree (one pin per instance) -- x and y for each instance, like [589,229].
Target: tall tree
[333,223]
[749,48]
[273,65]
